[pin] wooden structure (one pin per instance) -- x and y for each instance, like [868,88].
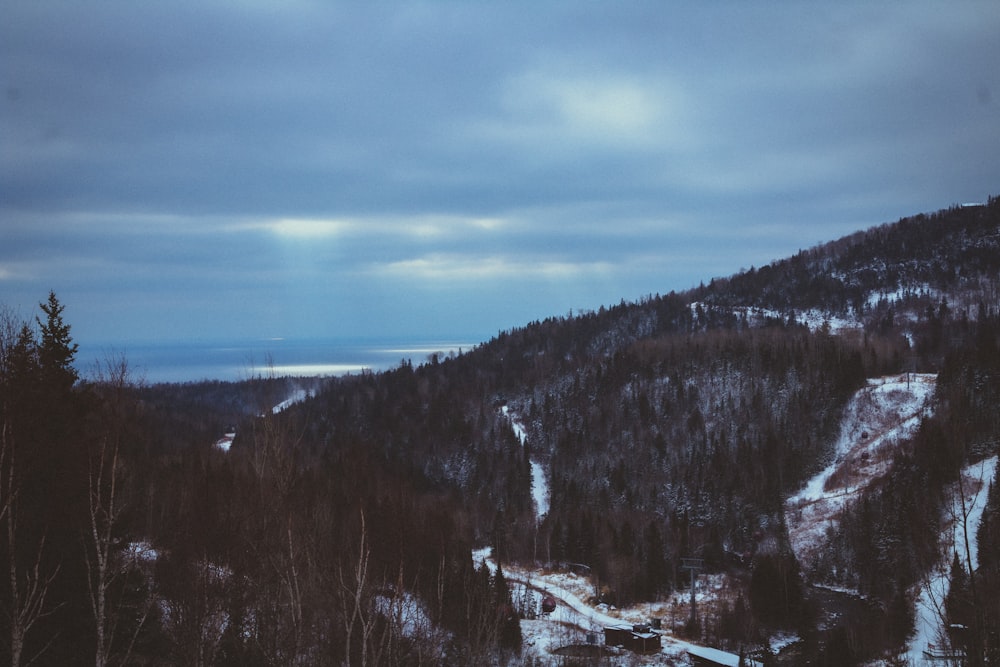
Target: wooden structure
[702,656]
[637,638]
[694,566]
[936,653]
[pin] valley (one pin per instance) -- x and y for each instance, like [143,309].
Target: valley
[815,438]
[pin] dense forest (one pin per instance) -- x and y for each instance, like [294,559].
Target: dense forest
[671,427]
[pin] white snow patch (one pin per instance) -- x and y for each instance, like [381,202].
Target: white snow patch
[539,490]
[878,418]
[141,552]
[573,618]
[814,319]
[226,441]
[296,396]
[539,484]
[974,482]
[407,612]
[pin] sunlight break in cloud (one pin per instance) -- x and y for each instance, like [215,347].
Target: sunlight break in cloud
[586,108]
[619,107]
[441,268]
[308,228]
[421,226]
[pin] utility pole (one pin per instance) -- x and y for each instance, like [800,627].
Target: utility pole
[694,566]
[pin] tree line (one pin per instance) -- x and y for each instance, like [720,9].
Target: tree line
[340,530]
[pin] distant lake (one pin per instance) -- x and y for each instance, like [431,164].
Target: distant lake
[240,360]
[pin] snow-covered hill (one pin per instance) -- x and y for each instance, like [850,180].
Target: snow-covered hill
[881,416]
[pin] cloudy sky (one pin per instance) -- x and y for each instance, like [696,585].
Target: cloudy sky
[182,170]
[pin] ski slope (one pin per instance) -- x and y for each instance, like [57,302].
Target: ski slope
[877,419]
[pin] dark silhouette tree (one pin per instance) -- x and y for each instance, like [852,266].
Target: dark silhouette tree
[56,349]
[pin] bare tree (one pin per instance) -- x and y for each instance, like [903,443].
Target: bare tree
[353,580]
[967,490]
[106,505]
[29,582]
[968,501]
[29,585]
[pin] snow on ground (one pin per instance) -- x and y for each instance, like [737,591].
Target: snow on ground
[296,396]
[539,485]
[880,416]
[407,611]
[141,552]
[574,619]
[226,441]
[539,490]
[815,319]
[974,481]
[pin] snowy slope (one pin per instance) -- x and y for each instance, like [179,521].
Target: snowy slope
[878,418]
[539,485]
[296,396]
[974,484]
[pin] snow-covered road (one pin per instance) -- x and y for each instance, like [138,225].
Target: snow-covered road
[572,611]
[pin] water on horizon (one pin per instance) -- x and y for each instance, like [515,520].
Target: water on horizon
[155,362]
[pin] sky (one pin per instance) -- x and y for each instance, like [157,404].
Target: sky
[207,170]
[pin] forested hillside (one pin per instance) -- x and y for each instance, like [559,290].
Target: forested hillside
[340,530]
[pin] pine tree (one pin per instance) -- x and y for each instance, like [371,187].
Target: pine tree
[56,351]
[509,623]
[988,534]
[958,607]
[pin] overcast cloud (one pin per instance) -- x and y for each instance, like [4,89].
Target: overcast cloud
[298,169]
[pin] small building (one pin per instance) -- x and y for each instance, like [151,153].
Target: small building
[617,636]
[636,638]
[702,656]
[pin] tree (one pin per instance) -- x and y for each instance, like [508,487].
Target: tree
[56,350]
[107,503]
[509,637]
[959,610]
[776,595]
[29,576]
[355,597]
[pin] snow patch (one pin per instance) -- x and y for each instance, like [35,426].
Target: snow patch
[973,485]
[226,441]
[878,418]
[296,396]
[539,484]
[407,612]
[574,619]
[141,552]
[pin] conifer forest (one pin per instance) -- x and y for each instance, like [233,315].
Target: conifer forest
[343,529]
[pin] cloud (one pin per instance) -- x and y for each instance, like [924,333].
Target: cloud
[185,163]
[307,229]
[581,110]
[443,269]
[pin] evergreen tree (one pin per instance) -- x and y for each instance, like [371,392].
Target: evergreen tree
[988,534]
[958,606]
[56,350]
[510,625]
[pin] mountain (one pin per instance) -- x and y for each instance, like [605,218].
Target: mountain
[616,444]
